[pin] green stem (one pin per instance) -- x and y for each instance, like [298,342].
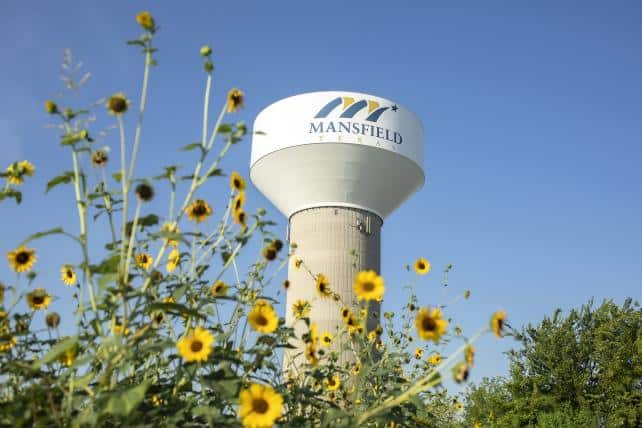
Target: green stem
[124,183]
[139,125]
[130,245]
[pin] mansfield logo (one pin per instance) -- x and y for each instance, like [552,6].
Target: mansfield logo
[349,108]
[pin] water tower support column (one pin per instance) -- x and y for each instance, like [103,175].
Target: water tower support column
[338,242]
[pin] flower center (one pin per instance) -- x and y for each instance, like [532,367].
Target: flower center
[22,257]
[368,286]
[38,300]
[70,274]
[261,320]
[199,210]
[428,324]
[421,265]
[259,405]
[196,346]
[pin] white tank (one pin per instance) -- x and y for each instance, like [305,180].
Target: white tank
[337,148]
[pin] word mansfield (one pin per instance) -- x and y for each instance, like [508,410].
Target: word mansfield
[348,127]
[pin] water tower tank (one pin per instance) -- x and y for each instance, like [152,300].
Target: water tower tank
[336,164]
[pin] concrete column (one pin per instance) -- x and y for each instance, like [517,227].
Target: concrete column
[338,242]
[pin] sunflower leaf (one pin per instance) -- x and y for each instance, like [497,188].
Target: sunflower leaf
[192,146]
[66,177]
[56,351]
[124,401]
[54,231]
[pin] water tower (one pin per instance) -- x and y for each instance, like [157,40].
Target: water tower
[336,164]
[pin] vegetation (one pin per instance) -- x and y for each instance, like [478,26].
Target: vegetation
[579,370]
[170,328]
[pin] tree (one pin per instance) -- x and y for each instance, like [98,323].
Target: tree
[584,369]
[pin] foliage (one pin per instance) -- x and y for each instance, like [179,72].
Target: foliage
[170,329]
[583,369]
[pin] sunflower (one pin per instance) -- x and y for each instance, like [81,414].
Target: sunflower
[419,352]
[469,354]
[345,313]
[497,322]
[145,192]
[368,285]
[195,346]
[145,20]
[297,263]
[99,158]
[117,104]
[52,320]
[69,356]
[68,275]
[301,309]
[314,333]
[269,252]
[435,359]
[333,383]
[119,329]
[38,299]
[219,289]
[173,260]
[311,354]
[143,260]
[356,369]
[199,211]
[372,336]
[22,259]
[7,344]
[263,318]
[51,107]
[171,227]
[430,324]
[238,202]
[240,218]
[326,339]
[323,286]
[235,100]
[17,170]
[260,406]
[422,266]
[458,406]
[352,324]
[460,372]
[237,182]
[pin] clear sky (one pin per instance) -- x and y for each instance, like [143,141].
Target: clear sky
[532,114]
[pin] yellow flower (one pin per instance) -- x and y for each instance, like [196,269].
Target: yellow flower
[22,259]
[117,104]
[219,289]
[460,372]
[419,352]
[435,359]
[260,406]
[352,324]
[171,228]
[345,313]
[234,100]
[38,299]
[173,259]
[169,299]
[143,260]
[195,346]
[301,309]
[326,339]
[263,318]
[469,354]
[7,344]
[240,218]
[120,329]
[238,202]
[237,182]
[372,336]
[323,286]
[314,333]
[157,401]
[368,286]
[430,324]
[51,107]
[69,356]
[145,20]
[99,158]
[311,354]
[198,211]
[68,275]
[356,369]
[497,323]
[422,266]
[297,263]
[477,425]
[459,406]
[333,383]
[17,170]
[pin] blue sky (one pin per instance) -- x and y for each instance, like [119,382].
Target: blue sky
[532,116]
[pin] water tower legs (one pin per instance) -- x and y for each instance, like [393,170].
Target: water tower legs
[338,242]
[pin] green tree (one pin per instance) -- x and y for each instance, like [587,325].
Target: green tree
[584,369]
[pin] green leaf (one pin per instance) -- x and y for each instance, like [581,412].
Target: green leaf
[66,177]
[109,265]
[56,351]
[192,146]
[118,176]
[224,128]
[217,171]
[54,231]
[148,220]
[10,193]
[122,402]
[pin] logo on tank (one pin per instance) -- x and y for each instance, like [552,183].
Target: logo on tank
[340,109]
